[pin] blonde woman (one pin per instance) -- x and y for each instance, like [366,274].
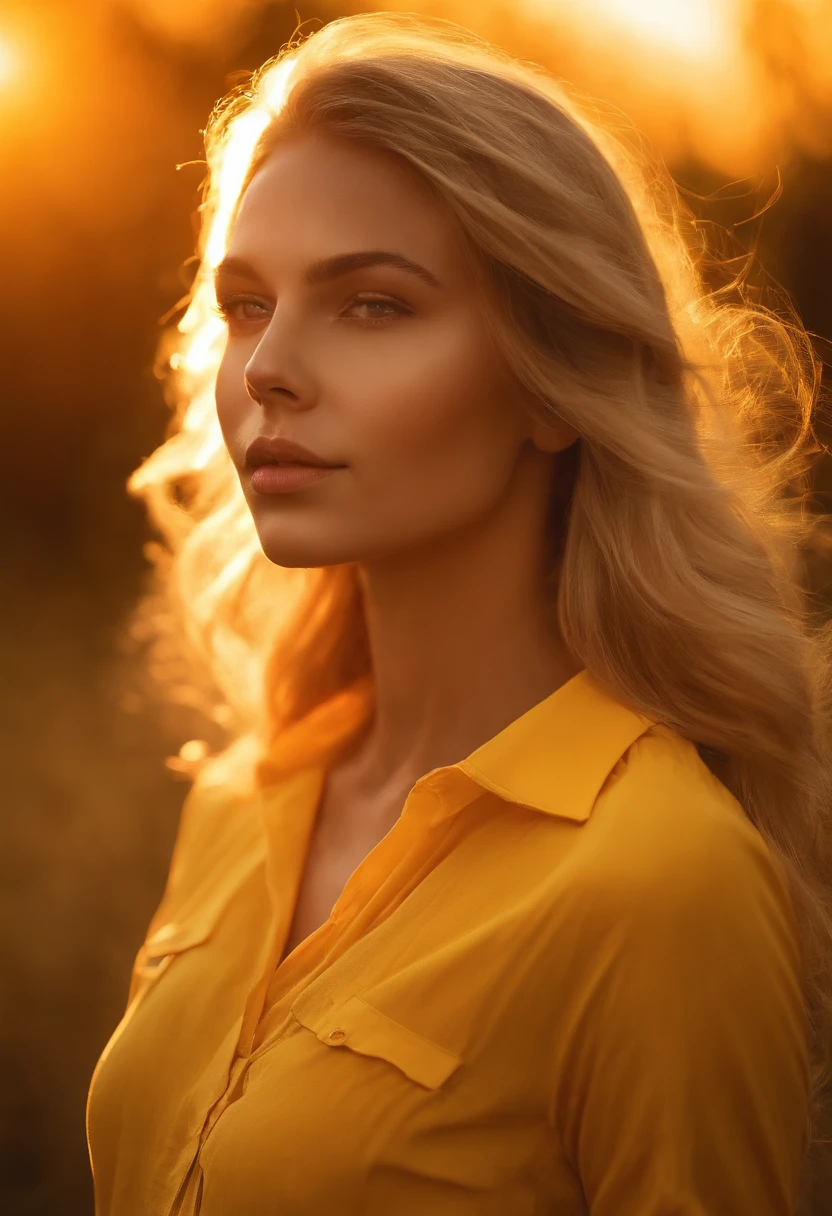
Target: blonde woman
[509,894]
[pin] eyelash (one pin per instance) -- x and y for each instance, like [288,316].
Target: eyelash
[224,307]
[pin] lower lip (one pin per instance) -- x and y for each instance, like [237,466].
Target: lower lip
[284,478]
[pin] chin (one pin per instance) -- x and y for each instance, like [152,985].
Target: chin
[305,544]
[298,557]
[297,553]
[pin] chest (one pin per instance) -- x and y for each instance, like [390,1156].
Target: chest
[340,842]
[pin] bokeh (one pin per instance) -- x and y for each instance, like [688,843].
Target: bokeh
[102,104]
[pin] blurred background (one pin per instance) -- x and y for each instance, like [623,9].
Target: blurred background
[102,105]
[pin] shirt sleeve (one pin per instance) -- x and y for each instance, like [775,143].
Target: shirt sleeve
[681,1085]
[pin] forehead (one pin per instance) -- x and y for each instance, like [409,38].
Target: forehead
[316,195]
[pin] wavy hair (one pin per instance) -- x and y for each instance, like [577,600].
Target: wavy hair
[680,523]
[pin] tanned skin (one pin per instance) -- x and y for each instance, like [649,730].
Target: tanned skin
[391,372]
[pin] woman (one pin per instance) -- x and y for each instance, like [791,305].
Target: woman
[509,895]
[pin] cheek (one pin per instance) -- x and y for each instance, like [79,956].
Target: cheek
[442,419]
[233,403]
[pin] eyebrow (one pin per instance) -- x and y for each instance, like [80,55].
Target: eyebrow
[326,269]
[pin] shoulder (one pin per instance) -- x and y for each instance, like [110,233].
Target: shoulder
[220,799]
[680,1035]
[219,837]
[669,849]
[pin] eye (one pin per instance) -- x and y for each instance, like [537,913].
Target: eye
[378,310]
[240,309]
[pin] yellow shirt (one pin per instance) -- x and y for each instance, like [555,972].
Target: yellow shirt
[565,982]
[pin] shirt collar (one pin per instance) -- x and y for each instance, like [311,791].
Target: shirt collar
[554,758]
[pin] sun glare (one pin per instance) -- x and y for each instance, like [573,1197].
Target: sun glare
[197,358]
[230,173]
[692,28]
[237,152]
[203,329]
[9,62]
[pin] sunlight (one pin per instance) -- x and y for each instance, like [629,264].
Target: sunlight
[236,155]
[9,62]
[693,28]
[233,167]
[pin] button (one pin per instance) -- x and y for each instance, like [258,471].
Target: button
[336,1036]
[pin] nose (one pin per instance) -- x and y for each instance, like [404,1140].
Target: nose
[275,373]
[251,390]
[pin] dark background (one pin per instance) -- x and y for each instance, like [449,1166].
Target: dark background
[99,102]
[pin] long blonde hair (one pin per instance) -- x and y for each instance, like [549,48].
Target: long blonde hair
[681,525]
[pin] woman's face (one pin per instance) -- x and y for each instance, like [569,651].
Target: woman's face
[383,366]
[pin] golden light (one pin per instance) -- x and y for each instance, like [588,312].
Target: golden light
[205,332]
[9,61]
[198,444]
[680,67]
[691,28]
[237,153]
[736,84]
[682,70]
[212,563]
[198,355]
[231,171]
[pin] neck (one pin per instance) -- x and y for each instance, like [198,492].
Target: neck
[462,642]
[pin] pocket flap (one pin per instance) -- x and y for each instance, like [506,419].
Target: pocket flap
[174,936]
[191,917]
[158,951]
[365,1029]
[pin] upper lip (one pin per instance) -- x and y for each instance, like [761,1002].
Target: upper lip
[265,450]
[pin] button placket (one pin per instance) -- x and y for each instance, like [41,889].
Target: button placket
[423,806]
[236,1076]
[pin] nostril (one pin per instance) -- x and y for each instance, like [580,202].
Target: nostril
[252,392]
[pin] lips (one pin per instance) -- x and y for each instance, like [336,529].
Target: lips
[274,450]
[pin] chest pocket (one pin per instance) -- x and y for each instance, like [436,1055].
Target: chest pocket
[160,948]
[357,1026]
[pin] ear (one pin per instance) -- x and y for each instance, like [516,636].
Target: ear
[552,437]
